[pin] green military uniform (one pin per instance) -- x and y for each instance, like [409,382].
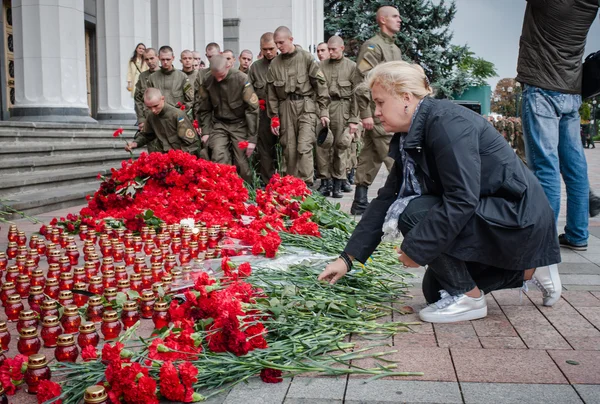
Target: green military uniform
[332,163]
[200,77]
[173,130]
[379,49]
[509,129]
[174,86]
[192,75]
[266,146]
[140,108]
[296,93]
[519,142]
[228,113]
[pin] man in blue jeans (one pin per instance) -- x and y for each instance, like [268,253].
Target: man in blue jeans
[550,69]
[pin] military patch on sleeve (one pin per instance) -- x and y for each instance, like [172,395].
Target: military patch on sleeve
[187,87]
[247,84]
[254,99]
[189,134]
[371,47]
[180,119]
[320,75]
[364,65]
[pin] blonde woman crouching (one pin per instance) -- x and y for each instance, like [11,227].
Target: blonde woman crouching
[468,209]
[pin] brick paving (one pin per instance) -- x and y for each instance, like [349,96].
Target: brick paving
[522,352]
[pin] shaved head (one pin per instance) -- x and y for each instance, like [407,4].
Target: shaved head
[152,94]
[335,46]
[154,100]
[335,40]
[385,11]
[284,40]
[218,63]
[266,37]
[283,30]
[388,19]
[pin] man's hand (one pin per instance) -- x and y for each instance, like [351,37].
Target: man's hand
[334,271]
[141,126]
[250,149]
[130,146]
[324,121]
[275,131]
[353,128]
[406,260]
[199,131]
[204,138]
[368,123]
[275,125]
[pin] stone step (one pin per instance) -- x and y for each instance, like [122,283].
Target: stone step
[14,150]
[43,180]
[30,136]
[22,163]
[58,197]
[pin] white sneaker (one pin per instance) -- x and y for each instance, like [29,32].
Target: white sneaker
[451,309]
[548,281]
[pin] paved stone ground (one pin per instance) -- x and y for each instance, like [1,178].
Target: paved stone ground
[518,354]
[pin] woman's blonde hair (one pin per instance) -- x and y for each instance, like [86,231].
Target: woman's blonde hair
[399,78]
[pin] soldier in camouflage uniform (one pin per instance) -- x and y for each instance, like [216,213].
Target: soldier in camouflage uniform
[297,95]
[141,112]
[338,71]
[376,141]
[167,124]
[257,75]
[229,115]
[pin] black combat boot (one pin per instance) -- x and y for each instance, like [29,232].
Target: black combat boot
[360,203]
[325,188]
[346,187]
[351,176]
[337,189]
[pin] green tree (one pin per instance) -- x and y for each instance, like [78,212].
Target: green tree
[425,38]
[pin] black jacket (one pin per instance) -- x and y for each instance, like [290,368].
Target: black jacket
[493,209]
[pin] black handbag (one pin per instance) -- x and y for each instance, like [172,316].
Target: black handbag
[590,86]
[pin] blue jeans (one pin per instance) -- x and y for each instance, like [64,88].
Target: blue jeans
[553,147]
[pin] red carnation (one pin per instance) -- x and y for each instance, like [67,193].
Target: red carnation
[89,353]
[262,104]
[181,105]
[243,145]
[275,122]
[196,124]
[47,390]
[269,375]
[170,385]
[112,353]
[118,132]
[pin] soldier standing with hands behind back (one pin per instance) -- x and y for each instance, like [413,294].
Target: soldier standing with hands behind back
[141,111]
[379,49]
[294,82]
[172,83]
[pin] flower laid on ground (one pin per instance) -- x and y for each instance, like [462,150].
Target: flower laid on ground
[89,353]
[12,372]
[47,390]
[269,375]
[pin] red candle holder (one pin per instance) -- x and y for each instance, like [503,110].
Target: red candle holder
[3,261]
[88,335]
[138,244]
[27,318]
[108,279]
[4,336]
[164,249]
[194,249]
[12,273]
[79,275]
[37,370]
[147,279]
[156,257]
[8,288]
[144,233]
[73,255]
[102,239]
[23,286]
[123,285]
[70,319]
[50,246]
[64,240]
[157,272]
[51,329]
[37,278]
[34,256]
[83,230]
[66,350]
[130,314]
[54,256]
[90,269]
[128,241]
[106,249]
[36,297]
[111,327]
[139,265]
[13,307]
[21,238]
[53,272]
[95,309]
[170,263]
[20,262]
[161,317]
[78,298]
[51,288]
[65,298]
[64,264]
[91,235]
[176,245]
[129,256]
[96,286]
[12,233]
[185,240]
[147,304]
[203,244]
[66,281]
[107,264]
[49,308]
[156,286]
[167,281]
[118,253]
[29,343]
[110,294]
[135,282]
[185,256]
[121,273]
[41,247]
[187,273]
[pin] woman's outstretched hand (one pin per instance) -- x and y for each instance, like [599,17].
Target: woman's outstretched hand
[334,271]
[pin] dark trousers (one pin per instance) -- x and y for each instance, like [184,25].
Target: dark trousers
[449,273]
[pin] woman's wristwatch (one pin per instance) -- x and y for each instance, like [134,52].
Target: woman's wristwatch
[346,258]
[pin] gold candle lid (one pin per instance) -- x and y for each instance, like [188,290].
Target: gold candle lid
[50,321]
[13,299]
[87,328]
[147,271]
[71,248]
[28,332]
[13,268]
[21,258]
[176,273]
[66,276]
[167,279]
[79,286]
[36,290]
[8,285]
[83,227]
[147,295]
[65,294]
[36,361]
[129,250]
[65,340]
[55,253]
[51,282]
[137,238]
[37,272]
[71,310]
[3,327]
[140,260]
[94,280]
[156,252]
[157,265]
[186,268]
[27,315]
[130,306]
[49,304]
[135,277]
[161,306]
[79,271]
[53,267]
[110,315]
[108,260]
[22,278]
[123,283]
[95,301]
[157,285]
[111,291]
[89,265]
[30,263]
[108,274]
[171,257]
[120,268]
[63,260]
[93,256]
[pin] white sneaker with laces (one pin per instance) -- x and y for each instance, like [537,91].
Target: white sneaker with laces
[451,309]
[548,281]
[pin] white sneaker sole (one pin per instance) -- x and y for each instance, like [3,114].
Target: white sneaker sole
[474,314]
